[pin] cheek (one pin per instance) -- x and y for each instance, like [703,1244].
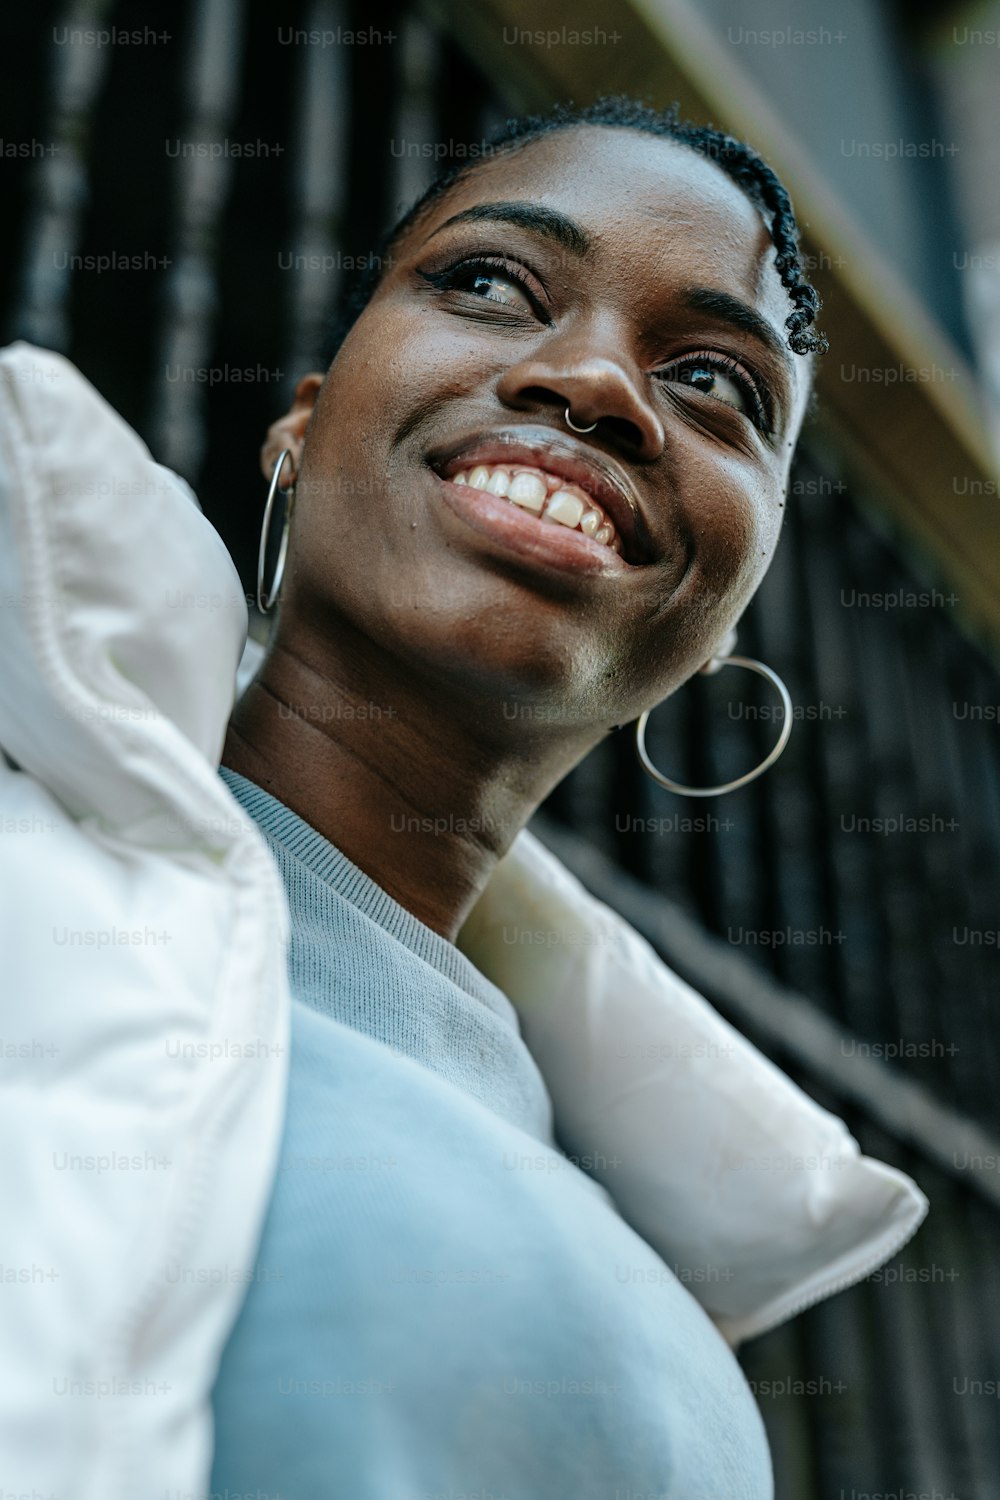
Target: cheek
[361,529]
[368,392]
[732,514]
[730,517]
[403,355]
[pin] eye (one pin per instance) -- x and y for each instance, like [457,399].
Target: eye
[489,279]
[494,287]
[721,378]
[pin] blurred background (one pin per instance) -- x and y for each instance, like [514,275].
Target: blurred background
[189,189]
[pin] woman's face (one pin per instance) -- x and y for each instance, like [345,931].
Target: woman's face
[598,269]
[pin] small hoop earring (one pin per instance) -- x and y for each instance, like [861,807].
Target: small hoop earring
[266,597]
[573,427]
[728,786]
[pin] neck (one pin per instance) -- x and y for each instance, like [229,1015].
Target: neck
[421,786]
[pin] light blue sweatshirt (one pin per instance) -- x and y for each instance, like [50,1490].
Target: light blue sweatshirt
[444,1306]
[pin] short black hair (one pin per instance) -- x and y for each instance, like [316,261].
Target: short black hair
[748,170]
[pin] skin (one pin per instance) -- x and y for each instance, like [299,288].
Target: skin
[426,688]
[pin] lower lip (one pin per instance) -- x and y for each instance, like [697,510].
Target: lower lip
[544,542]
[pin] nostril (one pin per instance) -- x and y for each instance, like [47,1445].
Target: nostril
[540,395]
[627,434]
[622,430]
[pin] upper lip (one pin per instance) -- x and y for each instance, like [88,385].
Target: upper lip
[559,454]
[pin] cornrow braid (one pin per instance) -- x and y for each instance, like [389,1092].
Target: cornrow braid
[738,160]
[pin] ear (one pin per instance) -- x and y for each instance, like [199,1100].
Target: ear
[289,431]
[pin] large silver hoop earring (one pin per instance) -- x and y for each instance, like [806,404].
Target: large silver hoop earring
[728,786]
[266,597]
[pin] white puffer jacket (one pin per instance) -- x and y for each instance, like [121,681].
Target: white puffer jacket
[144,1009]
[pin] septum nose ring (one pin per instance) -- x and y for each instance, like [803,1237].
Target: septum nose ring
[573,427]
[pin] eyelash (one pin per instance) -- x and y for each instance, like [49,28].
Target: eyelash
[447,280]
[759,412]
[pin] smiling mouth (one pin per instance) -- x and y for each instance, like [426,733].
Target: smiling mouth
[548,494]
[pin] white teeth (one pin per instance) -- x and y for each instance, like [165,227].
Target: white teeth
[528,490]
[498,483]
[546,496]
[565,508]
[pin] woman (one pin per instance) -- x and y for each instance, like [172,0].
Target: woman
[594,313]
[543,473]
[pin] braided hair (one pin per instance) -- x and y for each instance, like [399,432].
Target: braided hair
[738,160]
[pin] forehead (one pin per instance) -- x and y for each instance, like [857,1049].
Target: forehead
[647,203]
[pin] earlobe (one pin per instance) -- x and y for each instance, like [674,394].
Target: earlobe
[717,660]
[289,431]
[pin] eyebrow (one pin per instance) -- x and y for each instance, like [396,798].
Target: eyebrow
[533,216]
[740,315]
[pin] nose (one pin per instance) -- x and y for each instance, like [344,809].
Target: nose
[587,374]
